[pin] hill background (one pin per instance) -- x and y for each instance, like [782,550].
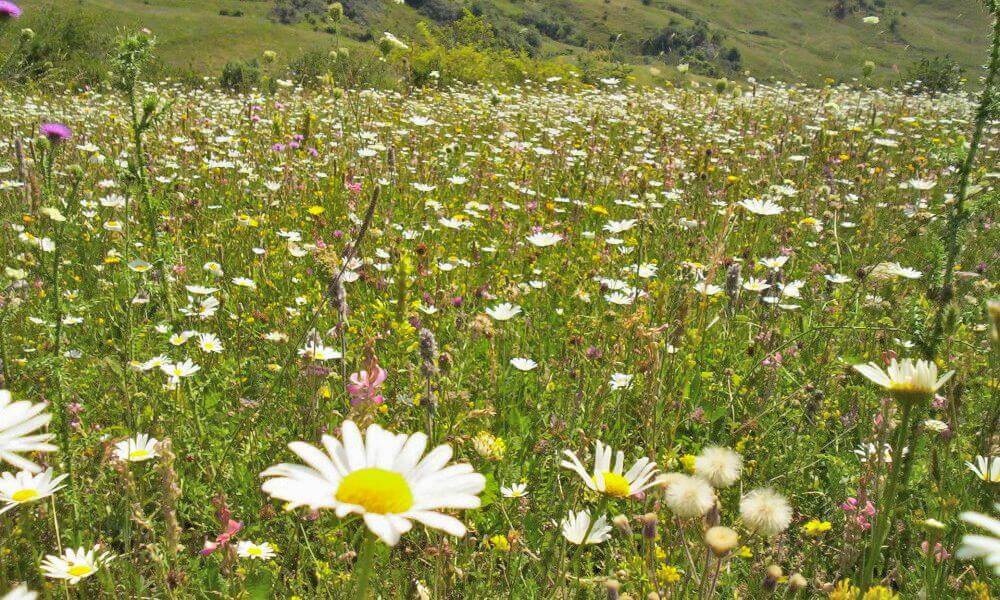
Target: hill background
[793,40]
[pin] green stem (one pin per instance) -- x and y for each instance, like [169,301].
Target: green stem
[363,568]
[887,504]
[959,214]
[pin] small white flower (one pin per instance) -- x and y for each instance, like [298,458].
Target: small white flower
[517,490]
[504,311]
[986,468]
[136,449]
[523,364]
[74,565]
[620,381]
[262,551]
[544,239]
[576,526]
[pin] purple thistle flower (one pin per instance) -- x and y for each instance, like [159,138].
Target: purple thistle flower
[9,10]
[56,132]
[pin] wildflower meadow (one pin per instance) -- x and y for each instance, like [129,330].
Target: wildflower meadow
[550,340]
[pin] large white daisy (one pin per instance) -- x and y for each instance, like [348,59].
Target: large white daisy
[17,420]
[908,380]
[384,477]
[613,481]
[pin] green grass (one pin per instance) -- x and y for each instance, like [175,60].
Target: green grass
[786,39]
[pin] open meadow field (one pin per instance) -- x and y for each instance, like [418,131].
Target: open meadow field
[551,340]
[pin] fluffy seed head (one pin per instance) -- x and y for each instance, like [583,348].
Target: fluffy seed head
[766,512]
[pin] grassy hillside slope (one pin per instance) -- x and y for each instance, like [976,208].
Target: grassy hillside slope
[789,39]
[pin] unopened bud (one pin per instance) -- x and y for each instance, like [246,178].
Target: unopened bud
[621,523]
[649,522]
[772,577]
[612,587]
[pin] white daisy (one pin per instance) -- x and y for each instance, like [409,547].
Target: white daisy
[986,468]
[261,551]
[762,207]
[523,364]
[613,481]
[20,592]
[908,380]
[27,487]
[620,381]
[17,420]
[986,547]
[576,526]
[504,311]
[542,240]
[381,477]
[517,490]
[137,449]
[74,565]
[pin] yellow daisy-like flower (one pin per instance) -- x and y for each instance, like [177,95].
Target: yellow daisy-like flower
[613,480]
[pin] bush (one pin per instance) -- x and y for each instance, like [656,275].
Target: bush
[240,76]
[65,46]
[935,75]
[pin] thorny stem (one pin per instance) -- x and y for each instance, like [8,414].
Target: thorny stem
[959,213]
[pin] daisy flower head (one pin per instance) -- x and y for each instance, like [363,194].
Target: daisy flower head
[542,240]
[74,565]
[577,529]
[261,551]
[986,547]
[504,311]
[761,207]
[20,592]
[719,466]
[517,490]
[610,479]
[688,497]
[523,364]
[906,381]
[17,420]
[27,487]
[986,468]
[766,512]
[382,476]
[136,449]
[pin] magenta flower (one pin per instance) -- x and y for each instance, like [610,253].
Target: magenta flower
[9,10]
[56,132]
[365,385]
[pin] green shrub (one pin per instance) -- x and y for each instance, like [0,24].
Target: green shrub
[934,75]
[240,76]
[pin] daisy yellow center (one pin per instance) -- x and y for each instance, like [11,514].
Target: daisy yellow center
[25,495]
[139,453]
[80,570]
[254,551]
[615,485]
[376,490]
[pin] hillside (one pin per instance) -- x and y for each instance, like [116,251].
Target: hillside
[797,40]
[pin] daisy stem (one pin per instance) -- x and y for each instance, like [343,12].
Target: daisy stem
[363,568]
[888,500]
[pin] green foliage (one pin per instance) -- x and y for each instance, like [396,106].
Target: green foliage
[240,76]
[934,75]
[64,46]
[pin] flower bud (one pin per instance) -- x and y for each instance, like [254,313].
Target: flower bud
[721,540]
[649,522]
[621,523]
[772,577]
[612,587]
